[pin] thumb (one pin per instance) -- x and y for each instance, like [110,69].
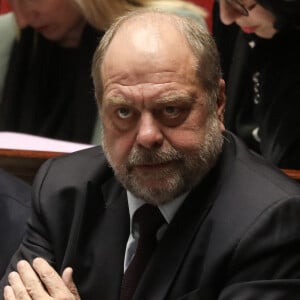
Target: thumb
[67,277]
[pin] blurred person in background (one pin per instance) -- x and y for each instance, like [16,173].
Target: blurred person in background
[261,66]
[47,88]
[101,13]
[46,82]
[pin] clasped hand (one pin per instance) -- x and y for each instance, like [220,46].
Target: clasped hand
[40,282]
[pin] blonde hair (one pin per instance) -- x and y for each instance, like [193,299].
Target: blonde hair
[102,13]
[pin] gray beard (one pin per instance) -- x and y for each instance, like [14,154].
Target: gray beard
[189,170]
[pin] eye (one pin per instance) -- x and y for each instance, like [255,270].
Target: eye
[171,111]
[124,112]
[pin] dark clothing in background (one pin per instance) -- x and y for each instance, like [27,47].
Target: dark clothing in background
[236,236]
[225,39]
[263,96]
[262,86]
[48,89]
[15,199]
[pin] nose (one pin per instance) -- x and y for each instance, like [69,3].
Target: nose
[22,14]
[149,133]
[228,14]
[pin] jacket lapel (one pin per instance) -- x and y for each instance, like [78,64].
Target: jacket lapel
[102,257]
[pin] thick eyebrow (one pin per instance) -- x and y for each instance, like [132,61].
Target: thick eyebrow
[169,99]
[117,100]
[176,98]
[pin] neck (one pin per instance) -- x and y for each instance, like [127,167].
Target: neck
[73,37]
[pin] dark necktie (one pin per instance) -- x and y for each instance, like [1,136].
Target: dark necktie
[147,220]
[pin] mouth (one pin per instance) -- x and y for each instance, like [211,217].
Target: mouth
[249,30]
[41,28]
[154,166]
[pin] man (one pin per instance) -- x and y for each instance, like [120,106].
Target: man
[231,221]
[14,211]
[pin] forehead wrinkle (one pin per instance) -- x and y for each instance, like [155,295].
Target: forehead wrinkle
[134,79]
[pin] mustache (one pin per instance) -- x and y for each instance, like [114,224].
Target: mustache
[140,156]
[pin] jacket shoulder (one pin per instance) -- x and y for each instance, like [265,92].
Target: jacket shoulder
[74,169]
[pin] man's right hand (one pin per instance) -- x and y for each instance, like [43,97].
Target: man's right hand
[40,282]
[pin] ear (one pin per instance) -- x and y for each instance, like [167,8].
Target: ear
[221,104]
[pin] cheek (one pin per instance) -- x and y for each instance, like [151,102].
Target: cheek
[118,144]
[265,18]
[186,138]
[191,133]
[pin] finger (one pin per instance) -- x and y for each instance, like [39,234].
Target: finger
[31,281]
[9,293]
[51,279]
[67,277]
[17,290]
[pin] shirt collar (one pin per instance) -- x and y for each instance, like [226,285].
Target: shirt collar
[168,210]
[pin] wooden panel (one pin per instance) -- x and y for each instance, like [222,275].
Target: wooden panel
[295,174]
[24,163]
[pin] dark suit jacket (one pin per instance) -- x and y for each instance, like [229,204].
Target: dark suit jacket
[15,197]
[236,236]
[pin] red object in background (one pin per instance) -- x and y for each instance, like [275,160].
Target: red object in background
[4,7]
[208,5]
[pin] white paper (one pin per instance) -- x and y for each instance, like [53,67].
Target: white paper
[21,141]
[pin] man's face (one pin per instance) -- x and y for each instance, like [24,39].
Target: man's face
[54,19]
[158,134]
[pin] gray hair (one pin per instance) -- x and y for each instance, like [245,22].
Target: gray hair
[201,42]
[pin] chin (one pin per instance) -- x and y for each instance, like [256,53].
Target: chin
[266,34]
